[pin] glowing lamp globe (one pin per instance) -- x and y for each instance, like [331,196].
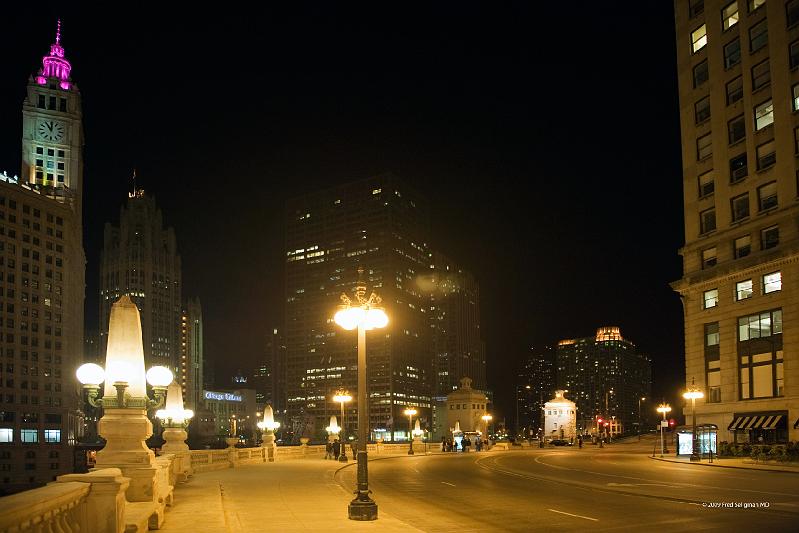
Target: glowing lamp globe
[410,412]
[693,395]
[376,319]
[349,318]
[159,376]
[342,398]
[90,374]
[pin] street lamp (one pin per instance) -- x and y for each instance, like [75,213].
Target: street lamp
[664,409]
[692,394]
[342,397]
[268,427]
[361,313]
[92,375]
[486,419]
[409,412]
[641,399]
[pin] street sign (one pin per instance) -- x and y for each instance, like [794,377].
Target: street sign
[664,423]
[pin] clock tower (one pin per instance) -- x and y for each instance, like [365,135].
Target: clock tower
[52,131]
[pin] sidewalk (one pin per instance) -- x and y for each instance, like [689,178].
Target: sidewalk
[734,462]
[298,495]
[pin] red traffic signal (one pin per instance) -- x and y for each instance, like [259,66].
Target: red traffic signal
[599,420]
[671,421]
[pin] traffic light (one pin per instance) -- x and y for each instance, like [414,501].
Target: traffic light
[599,421]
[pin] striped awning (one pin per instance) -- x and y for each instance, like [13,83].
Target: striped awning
[745,423]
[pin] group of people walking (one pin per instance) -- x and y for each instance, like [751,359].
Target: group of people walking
[333,450]
[451,445]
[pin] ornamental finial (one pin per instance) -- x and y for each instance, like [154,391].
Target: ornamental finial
[58,33]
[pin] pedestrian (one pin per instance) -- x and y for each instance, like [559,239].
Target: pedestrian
[579,441]
[443,444]
[336,449]
[353,450]
[466,444]
[328,450]
[478,445]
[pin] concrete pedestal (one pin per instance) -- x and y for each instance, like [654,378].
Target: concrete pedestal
[125,431]
[176,444]
[269,447]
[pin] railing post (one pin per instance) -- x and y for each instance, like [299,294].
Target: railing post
[104,510]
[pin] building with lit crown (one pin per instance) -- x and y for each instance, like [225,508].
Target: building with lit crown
[605,375]
[738,80]
[42,270]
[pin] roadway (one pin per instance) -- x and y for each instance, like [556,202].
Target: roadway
[615,488]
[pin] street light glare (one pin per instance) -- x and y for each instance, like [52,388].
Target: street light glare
[410,412]
[159,376]
[693,395]
[90,374]
[349,318]
[342,398]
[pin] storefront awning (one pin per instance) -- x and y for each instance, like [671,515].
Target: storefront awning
[745,423]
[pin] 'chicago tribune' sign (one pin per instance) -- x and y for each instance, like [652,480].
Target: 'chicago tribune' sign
[227,396]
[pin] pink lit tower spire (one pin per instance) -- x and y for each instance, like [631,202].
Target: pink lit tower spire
[55,65]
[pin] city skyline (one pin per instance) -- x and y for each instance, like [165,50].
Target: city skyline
[469,136]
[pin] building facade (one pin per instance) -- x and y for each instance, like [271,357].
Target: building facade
[42,272]
[535,383]
[192,355]
[560,418]
[380,224]
[605,376]
[140,259]
[739,92]
[269,377]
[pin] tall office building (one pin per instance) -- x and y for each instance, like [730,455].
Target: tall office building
[605,375]
[192,355]
[380,224]
[454,314]
[739,92]
[42,269]
[269,377]
[535,385]
[140,259]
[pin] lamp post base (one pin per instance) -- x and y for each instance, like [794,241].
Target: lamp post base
[343,457]
[362,509]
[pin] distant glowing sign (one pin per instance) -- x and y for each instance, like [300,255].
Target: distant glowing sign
[226,396]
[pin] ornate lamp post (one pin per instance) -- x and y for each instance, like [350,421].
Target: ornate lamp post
[268,426]
[124,423]
[693,393]
[342,398]
[362,313]
[175,419]
[409,412]
[664,409]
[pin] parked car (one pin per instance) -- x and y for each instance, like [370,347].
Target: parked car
[560,442]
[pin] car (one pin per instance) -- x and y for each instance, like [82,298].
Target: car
[560,442]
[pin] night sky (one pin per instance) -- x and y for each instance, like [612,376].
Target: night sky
[545,138]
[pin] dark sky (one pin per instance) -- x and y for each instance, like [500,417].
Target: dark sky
[546,139]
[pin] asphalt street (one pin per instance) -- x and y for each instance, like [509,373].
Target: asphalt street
[615,488]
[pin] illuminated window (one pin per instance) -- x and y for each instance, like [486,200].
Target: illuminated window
[764,115]
[736,129]
[772,282]
[707,220]
[6,435]
[29,435]
[710,298]
[740,207]
[712,334]
[706,185]
[52,435]
[698,38]
[767,196]
[754,4]
[766,155]
[732,53]
[729,16]
[761,75]
[742,246]
[758,36]
[743,290]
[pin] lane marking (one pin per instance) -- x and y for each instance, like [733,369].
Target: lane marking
[574,515]
[445,483]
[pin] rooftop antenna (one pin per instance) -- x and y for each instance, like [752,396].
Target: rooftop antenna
[58,33]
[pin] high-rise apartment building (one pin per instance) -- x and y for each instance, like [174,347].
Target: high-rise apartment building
[140,259]
[535,385]
[269,377]
[192,355]
[738,81]
[605,375]
[42,269]
[380,224]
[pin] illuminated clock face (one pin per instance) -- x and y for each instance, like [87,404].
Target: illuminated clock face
[50,130]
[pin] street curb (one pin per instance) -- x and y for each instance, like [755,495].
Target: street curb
[725,466]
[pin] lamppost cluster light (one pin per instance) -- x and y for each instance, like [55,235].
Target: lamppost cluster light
[174,415]
[663,409]
[363,314]
[693,393]
[409,412]
[92,375]
[343,397]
